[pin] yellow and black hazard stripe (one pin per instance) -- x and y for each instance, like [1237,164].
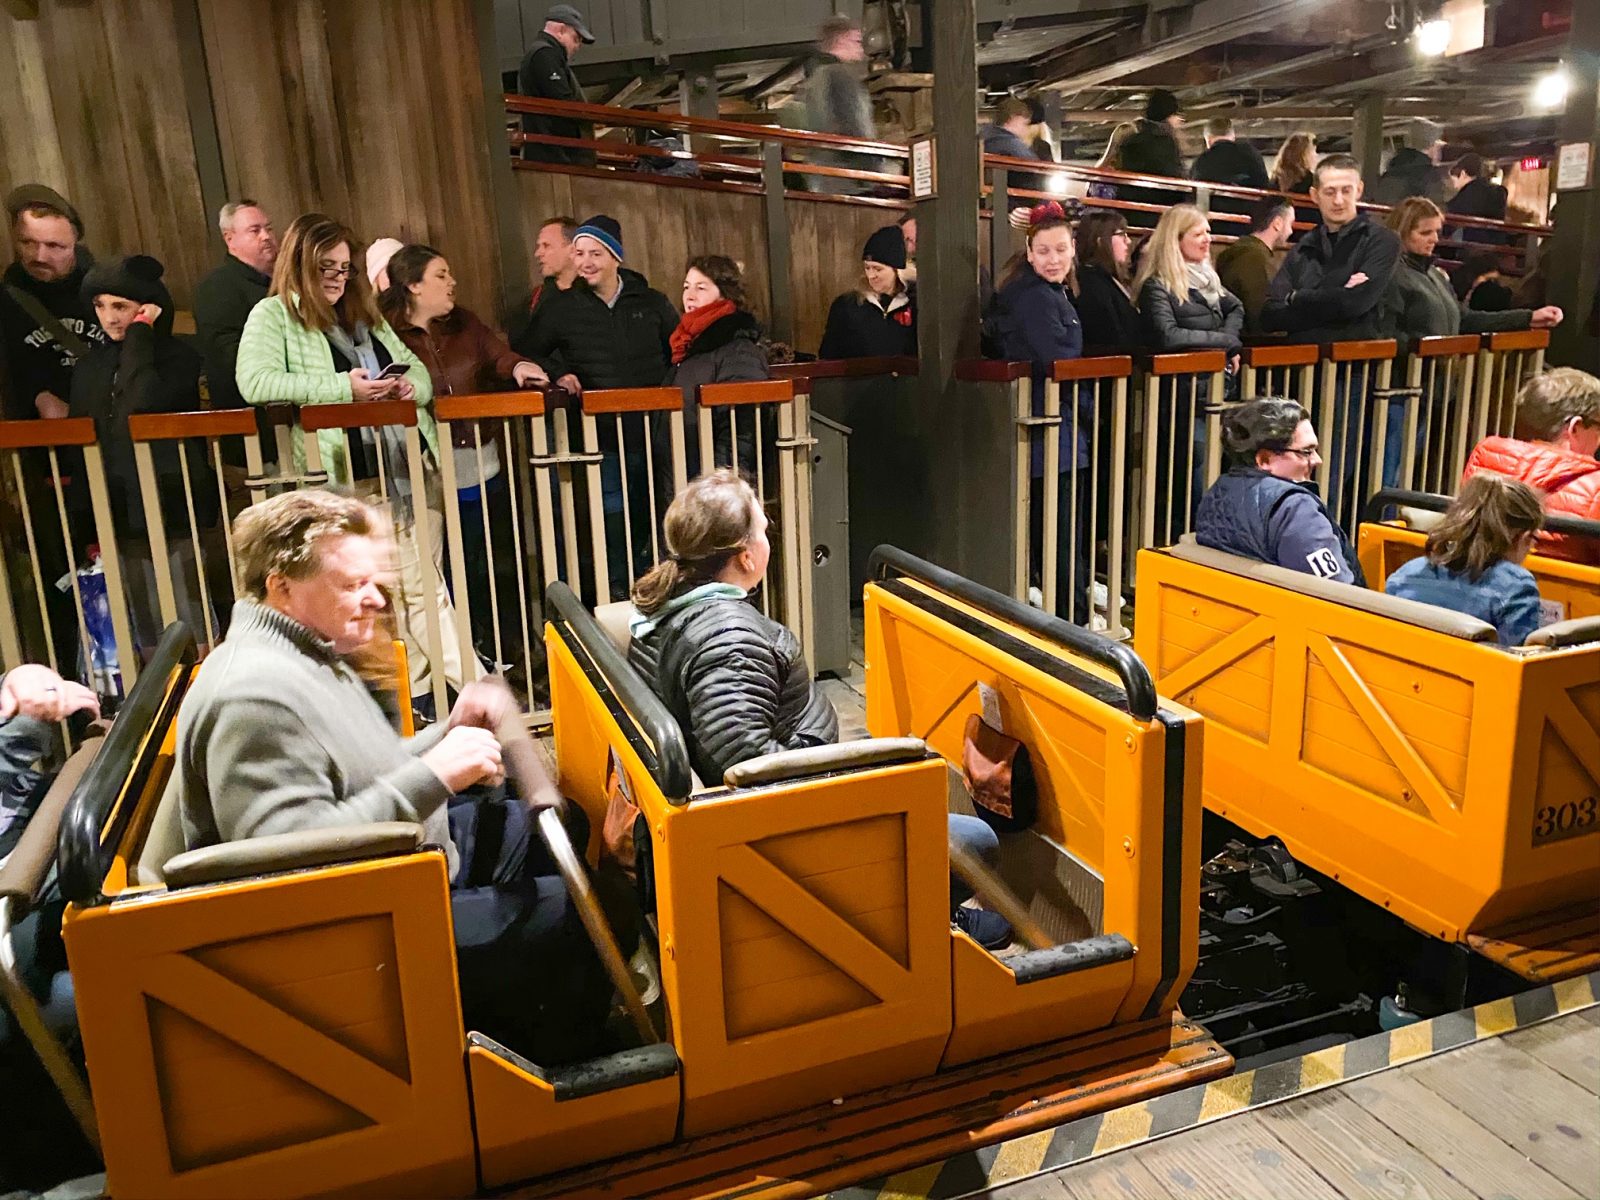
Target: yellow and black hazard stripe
[1102,1133]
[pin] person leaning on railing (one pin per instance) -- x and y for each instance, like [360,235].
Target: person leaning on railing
[1186,308]
[1420,301]
[878,320]
[718,340]
[1246,267]
[1558,423]
[144,369]
[318,338]
[1264,506]
[464,357]
[1032,319]
[1102,282]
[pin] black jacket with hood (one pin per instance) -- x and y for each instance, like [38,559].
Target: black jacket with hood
[149,371]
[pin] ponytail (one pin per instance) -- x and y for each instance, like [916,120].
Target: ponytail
[706,525]
[1483,523]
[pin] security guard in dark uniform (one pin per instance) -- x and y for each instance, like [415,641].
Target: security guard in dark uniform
[547,73]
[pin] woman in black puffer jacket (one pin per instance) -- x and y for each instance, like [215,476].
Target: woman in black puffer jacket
[736,681]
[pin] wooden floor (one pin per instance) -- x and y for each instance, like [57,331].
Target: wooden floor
[1516,1116]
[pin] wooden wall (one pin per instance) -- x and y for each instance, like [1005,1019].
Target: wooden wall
[370,110]
[664,226]
[94,107]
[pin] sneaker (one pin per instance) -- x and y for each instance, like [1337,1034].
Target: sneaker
[646,981]
[1035,597]
[1099,597]
[990,930]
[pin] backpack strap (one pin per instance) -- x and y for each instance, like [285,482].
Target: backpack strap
[74,345]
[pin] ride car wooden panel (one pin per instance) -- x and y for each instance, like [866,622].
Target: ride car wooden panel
[1118,792]
[1414,767]
[1571,589]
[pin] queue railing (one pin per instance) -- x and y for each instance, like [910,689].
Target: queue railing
[1505,362]
[1280,370]
[1436,430]
[57,504]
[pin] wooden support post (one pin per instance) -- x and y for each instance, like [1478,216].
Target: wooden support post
[1575,249]
[202,117]
[697,97]
[515,277]
[999,221]
[947,228]
[1366,142]
[781,313]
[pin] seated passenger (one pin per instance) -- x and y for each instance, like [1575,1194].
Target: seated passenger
[735,680]
[1265,506]
[1474,554]
[33,698]
[1558,414]
[278,734]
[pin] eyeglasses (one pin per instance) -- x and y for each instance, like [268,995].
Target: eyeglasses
[1306,453]
[1123,233]
[330,271]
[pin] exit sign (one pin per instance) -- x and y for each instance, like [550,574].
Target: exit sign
[1533,164]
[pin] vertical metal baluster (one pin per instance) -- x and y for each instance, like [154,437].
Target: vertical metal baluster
[33,568]
[227,518]
[488,548]
[627,506]
[656,514]
[194,544]
[105,536]
[513,481]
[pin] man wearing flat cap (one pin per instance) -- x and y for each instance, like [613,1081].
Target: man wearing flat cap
[547,74]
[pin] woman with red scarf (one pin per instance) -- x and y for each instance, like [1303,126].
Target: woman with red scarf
[717,341]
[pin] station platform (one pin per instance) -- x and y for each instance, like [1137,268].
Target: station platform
[1499,1100]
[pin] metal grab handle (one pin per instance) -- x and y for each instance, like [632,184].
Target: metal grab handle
[996,897]
[594,920]
[536,790]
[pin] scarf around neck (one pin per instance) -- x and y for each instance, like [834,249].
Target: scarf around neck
[1203,278]
[692,324]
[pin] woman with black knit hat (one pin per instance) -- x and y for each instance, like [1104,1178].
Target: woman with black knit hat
[880,319]
[144,369]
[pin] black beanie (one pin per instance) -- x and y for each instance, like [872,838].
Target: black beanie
[888,247]
[1161,105]
[136,278]
[37,195]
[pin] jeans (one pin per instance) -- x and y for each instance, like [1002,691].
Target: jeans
[973,835]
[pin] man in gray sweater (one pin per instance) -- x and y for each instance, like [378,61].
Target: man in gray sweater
[278,733]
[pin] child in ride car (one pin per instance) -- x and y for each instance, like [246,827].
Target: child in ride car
[1473,557]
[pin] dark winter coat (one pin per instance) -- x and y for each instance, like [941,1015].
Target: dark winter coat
[1151,149]
[222,304]
[862,328]
[1110,321]
[1479,198]
[619,346]
[1033,320]
[1421,303]
[1254,514]
[997,139]
[1236,163]
[1308,299]
[727,351]
[149,371]
[34,361]
[736,682]
[547,74]
[1246,270]
[1192,323]
[1410,173]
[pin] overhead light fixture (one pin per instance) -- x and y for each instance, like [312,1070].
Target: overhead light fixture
[1550,90]
[1432,38]
[1056,184]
